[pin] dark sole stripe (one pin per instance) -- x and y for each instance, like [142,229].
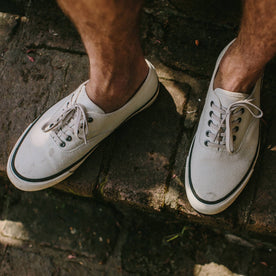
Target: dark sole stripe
[75,163]
[230,193]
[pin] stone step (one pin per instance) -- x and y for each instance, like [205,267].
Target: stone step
[142,164]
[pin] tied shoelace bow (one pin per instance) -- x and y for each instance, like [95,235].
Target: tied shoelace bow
[223,132]
[74,117]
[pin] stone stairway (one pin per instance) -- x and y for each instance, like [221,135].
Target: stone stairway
[142,164]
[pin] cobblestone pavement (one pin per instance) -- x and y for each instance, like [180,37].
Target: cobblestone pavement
[53,233]
[43,59]
[136,222]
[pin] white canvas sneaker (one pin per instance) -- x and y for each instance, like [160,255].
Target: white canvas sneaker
[225,148]
[57,142]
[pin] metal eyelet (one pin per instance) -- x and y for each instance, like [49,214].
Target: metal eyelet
[62,144]
[236,129]
[69,138]
[90,120]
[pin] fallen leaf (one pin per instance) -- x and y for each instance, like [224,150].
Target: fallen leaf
[31,59]
[30,51]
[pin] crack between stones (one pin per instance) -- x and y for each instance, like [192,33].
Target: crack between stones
[65,73]
[63,250]
[15,29]
[175,149]
[47,47]
[260,168]
[115,259]
[186,71]
[36,246]
[4,255]
[107,157]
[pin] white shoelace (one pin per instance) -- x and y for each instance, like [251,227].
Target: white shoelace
[226,124]
[73,117]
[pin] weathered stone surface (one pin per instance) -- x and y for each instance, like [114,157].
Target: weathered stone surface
[3,248]
[3,191]
[259,267]
[143,163]
[8,23]
[17,262]
[264,177]
[263,215]
[212,269]
[13,230]
[61,221]
[180,85]
[85,179]
[181,252]
[182,43]
[179,92]
[77,268]
[42,260]
[48,27]
[175,198]
[223,13]
[141,160]
[14,6]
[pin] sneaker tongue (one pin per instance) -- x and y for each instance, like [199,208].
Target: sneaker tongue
[227,97]
[84,100]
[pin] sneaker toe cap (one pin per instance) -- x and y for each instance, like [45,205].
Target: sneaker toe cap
[31,158]
[212,181]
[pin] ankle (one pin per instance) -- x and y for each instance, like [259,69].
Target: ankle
[110,87]
[236,72]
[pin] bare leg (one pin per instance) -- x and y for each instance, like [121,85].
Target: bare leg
[110,32]
[255,45]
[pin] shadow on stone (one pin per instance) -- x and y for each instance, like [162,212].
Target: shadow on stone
[58,220]
[141,160]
